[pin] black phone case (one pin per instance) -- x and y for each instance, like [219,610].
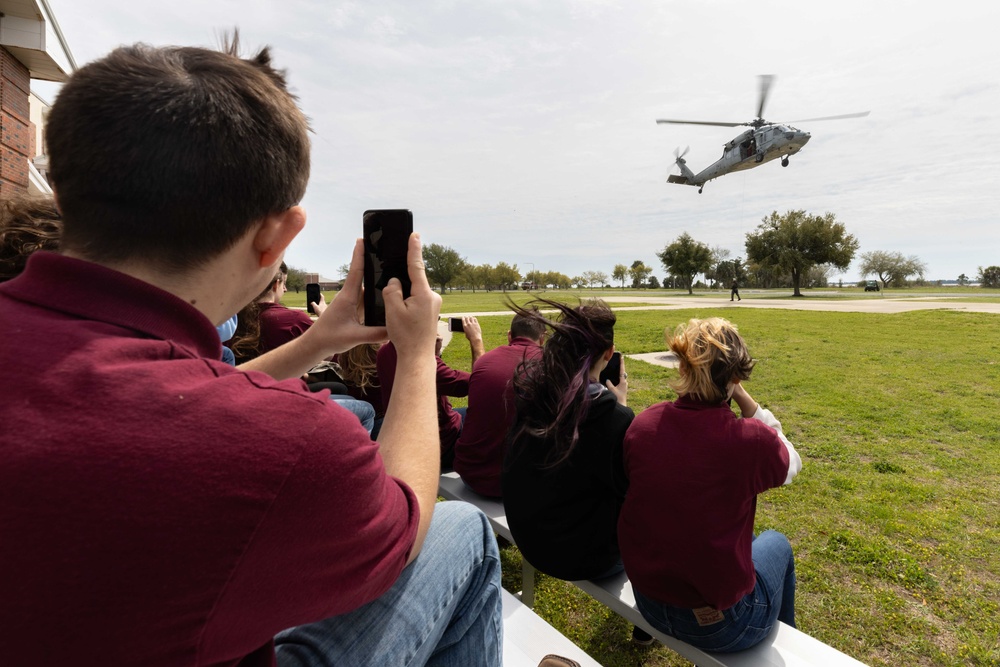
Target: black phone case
[312,296]
[613,371]
[386,239]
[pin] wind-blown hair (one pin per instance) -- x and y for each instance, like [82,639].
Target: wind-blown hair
[551,392]
[712,354]
[27,224]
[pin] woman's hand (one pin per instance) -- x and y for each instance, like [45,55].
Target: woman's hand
[748,406]
[620,390]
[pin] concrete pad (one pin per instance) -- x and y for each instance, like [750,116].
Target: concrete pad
[667,359]
[444,333]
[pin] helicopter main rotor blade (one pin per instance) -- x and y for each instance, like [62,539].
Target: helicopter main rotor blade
[699,122]
[765,88]
[860,114]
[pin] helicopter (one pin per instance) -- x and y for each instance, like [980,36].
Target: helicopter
[762,143]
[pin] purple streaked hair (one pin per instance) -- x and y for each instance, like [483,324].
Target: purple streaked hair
[551,392]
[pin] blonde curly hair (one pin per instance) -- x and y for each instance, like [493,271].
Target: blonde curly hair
[712,354]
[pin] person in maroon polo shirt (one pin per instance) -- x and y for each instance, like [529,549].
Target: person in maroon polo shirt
[479,451]
[265,324]
[160,507]
[695,469]
[449,381]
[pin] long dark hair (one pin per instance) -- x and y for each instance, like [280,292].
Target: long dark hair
[246,343]
[551,393]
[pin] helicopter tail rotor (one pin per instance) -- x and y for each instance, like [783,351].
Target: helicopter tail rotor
[686,175]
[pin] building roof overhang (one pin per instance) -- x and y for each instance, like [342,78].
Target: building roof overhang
[30,32]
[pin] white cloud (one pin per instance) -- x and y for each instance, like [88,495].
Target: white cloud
[523,130]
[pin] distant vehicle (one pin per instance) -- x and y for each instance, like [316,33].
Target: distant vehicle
[872,286]
[528,285]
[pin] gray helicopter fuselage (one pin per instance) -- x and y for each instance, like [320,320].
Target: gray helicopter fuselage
[752,148]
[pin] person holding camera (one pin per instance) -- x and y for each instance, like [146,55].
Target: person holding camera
[161,507]
[695,469]
[448,382]
[563,480]
[479,451]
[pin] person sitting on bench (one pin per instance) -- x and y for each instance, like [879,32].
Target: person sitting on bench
[695,469]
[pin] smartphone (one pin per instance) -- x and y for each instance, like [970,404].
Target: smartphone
[386,238]
[455,324]
[312,296]
[613,371]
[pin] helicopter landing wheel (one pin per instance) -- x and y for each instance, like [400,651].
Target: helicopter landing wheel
[784,162]
[759,158]
[700,189]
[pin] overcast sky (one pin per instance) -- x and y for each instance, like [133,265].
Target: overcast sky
[524,130]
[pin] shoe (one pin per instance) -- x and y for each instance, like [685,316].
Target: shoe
[641,637]
[557,661]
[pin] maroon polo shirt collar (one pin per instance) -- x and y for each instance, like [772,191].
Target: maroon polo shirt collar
[94,292]
[688,402]
[526,342]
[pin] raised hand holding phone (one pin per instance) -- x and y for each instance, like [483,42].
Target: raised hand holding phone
[411,319]
[338,327]
[386,235]
[408,441]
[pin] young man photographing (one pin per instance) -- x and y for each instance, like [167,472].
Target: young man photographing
[480,450]
[159,507]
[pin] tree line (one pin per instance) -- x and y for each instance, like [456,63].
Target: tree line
[795,249]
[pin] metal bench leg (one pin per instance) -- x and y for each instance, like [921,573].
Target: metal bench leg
[527,584]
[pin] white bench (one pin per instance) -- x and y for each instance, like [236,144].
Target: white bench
[784,647]
[527,638]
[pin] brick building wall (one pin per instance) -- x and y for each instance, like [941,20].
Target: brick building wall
[15,133]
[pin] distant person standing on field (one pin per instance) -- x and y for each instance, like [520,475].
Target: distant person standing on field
[735,291]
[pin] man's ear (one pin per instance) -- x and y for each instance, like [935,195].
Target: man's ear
[276,232]
[510,338]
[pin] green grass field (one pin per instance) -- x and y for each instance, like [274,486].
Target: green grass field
[895,518]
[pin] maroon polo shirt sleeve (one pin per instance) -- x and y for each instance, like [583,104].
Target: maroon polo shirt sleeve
[339,528]
[765,454]
[451,382]
[385,367]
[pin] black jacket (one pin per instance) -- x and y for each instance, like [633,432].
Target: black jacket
[565,520]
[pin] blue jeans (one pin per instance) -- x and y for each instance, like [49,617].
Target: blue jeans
[750,620]
[363,410]
[444,609]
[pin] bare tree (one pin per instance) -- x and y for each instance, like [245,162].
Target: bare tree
[891,267]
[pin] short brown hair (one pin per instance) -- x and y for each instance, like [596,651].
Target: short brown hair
[170,155]
[27,224]
[712,354]
[527,327]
